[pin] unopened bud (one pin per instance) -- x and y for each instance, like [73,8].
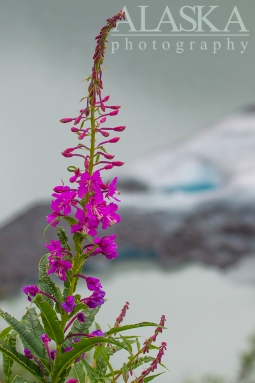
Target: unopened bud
[81,136]
[119,128]
[114,139]
[87,112]
[114,113]
[108,167]
[117,163]
[65,120]
[78,119]
[115,107]
[108,156]
[106,98]
[74,129]
[102,120]
[105,134]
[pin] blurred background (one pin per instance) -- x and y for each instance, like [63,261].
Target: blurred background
[187,236]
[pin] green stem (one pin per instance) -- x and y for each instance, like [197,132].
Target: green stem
[92,141]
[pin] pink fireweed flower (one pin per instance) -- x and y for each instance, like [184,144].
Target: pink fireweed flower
[95,333]
[96,299]
[93,284]
[64,202]
[31,291]
[55,249]
[81,317]
[107,246]
[89,183]
[53,219]
[72,381]
[59,267]
[69,304]
[85,224]
[111,217]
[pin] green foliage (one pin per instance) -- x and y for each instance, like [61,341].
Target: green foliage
[46,284]
[50,320]
[84,328]
[7,361]
[78,372]
[26,337]
[32,323]
[22,360]
[5,332]
[19,379]
[115,330]
[63,237]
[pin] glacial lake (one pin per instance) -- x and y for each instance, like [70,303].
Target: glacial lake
[210,314]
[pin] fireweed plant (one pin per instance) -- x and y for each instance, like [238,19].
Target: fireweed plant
[55,330]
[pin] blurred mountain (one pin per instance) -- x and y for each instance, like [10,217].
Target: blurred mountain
[193,201]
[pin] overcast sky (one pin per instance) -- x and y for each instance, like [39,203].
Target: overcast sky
[46,50]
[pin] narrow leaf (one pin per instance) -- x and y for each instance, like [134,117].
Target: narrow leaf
[114,330]
[78,372]
[46,284]
[149,378]
[32,323]
[93,377]
[23,361]
[19,379]
[50,320]
[7,361]
[26,337]
[125,372]
[5,332]
[71,221]
[79,348]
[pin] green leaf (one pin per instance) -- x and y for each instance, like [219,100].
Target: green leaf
[127,344]
[63,237]
[114,330]
[23,361]
[50,320]
[93,377]
[124,372]
[32,323]
[7,361]
[149,378]
[71,221]
[78,372]
[46,284]
[137,362]
[66,359]
[138,345]
[19,379]
[5,332]
[26,337]
[78,327]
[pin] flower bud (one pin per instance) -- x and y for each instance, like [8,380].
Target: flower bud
[65,120]
[115,107]
[119,128]
[102,120]
[108,167]
[114,113]
[87,112]
[117,163]
[108,156]
[106,98]
[82,135]
[105,134]
[74,129]
[114,140]
[78,119]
